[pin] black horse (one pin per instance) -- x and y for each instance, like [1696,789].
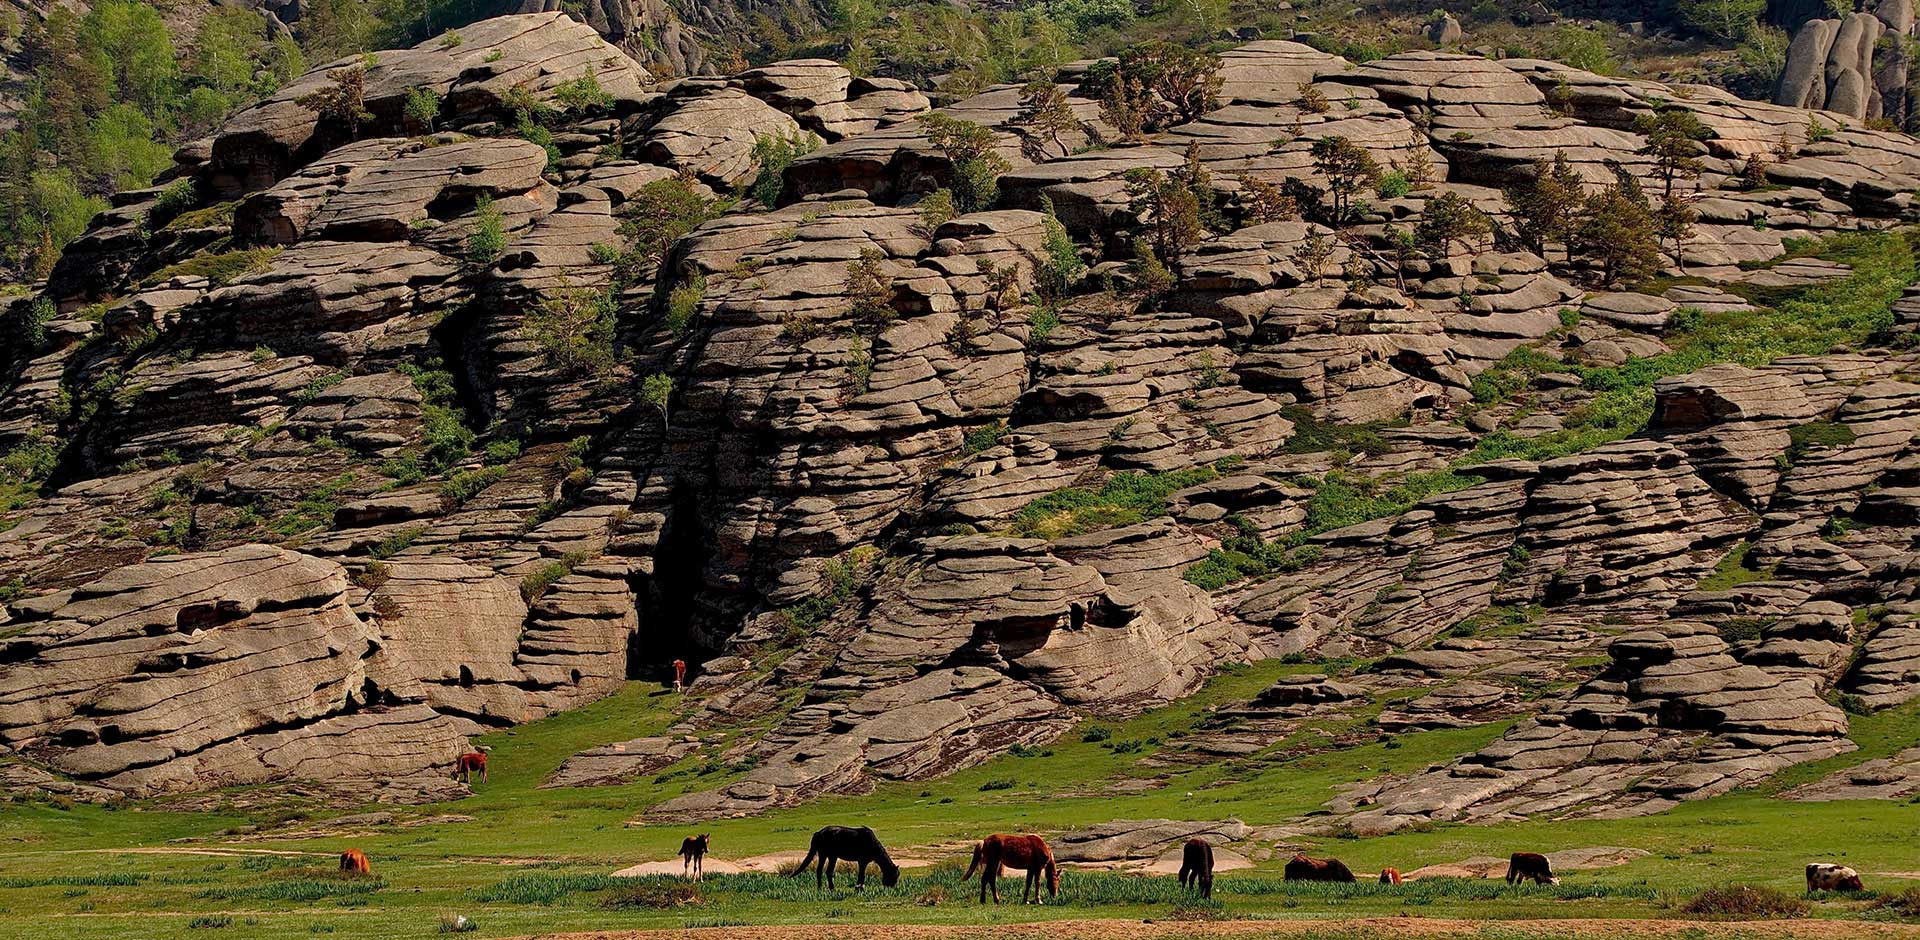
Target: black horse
[836,844]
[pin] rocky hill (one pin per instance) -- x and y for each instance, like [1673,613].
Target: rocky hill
[372,427]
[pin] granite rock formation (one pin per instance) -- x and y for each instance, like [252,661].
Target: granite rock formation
[308,460]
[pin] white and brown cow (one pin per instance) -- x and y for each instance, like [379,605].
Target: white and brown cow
[1822,876]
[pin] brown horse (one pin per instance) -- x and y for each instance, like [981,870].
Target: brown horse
[354,862]
[693,855]
[1390,876]
[998,852]
[1302,868]
[468,763]
[1196,866]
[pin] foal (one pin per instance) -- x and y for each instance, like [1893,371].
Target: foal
[693,856]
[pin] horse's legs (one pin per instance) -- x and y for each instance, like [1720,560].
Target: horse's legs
[832,863]
[1031,884]
[861,881]
[819,871]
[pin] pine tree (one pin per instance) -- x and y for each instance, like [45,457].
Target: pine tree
[1348,167]
[1043,118]
[1619,233]
[344,99]
[1449,218]
[1168,213]
[1546,207]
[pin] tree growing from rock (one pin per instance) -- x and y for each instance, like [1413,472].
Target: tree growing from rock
[773,153]
[422,109]
[1348,169]
[1313,255]
[652,221]
[1448,218]
[869,291]
[1265,202]
[1619,234]
[1673,142]
[1153,85]
[1168,211]
[574,331]
[342,99]
[975,164]
[1060,269]
[1044,117]
[1546,206]
[657,390]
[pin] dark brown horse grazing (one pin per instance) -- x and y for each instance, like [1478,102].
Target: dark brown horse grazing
[469,763]
[354,862]
[835,844]
[693,855]
[1524,865]
[1302,868]
[996,853]
[1196,866]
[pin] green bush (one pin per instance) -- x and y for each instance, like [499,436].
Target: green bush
[583,93]
[773,154]
[982,438]
[488,240]
[176,198]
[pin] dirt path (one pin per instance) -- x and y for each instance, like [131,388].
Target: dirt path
[1366,928]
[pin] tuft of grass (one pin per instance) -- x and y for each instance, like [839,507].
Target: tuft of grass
[1744,902]
[297,890]
[1125,498]
[1732,571]
[219,268]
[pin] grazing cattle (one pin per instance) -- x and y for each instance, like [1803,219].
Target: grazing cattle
[996,853]
[1390,876]
[354,862]
[835,844]
[1196,866]
[1302,868]
[1524,865]
[468,764]
[693,856]
[1825,877]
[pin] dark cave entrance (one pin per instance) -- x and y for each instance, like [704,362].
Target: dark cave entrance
[668,604]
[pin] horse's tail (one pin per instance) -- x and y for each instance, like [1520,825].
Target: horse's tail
[973,864]
[812,849]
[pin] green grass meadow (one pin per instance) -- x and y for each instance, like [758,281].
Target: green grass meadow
[534,861]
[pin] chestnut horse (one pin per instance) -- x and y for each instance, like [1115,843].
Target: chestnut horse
[469,763]
[997,852]
[1390,876]
[354,862]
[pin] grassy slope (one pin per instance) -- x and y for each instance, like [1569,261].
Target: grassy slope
[443,867]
